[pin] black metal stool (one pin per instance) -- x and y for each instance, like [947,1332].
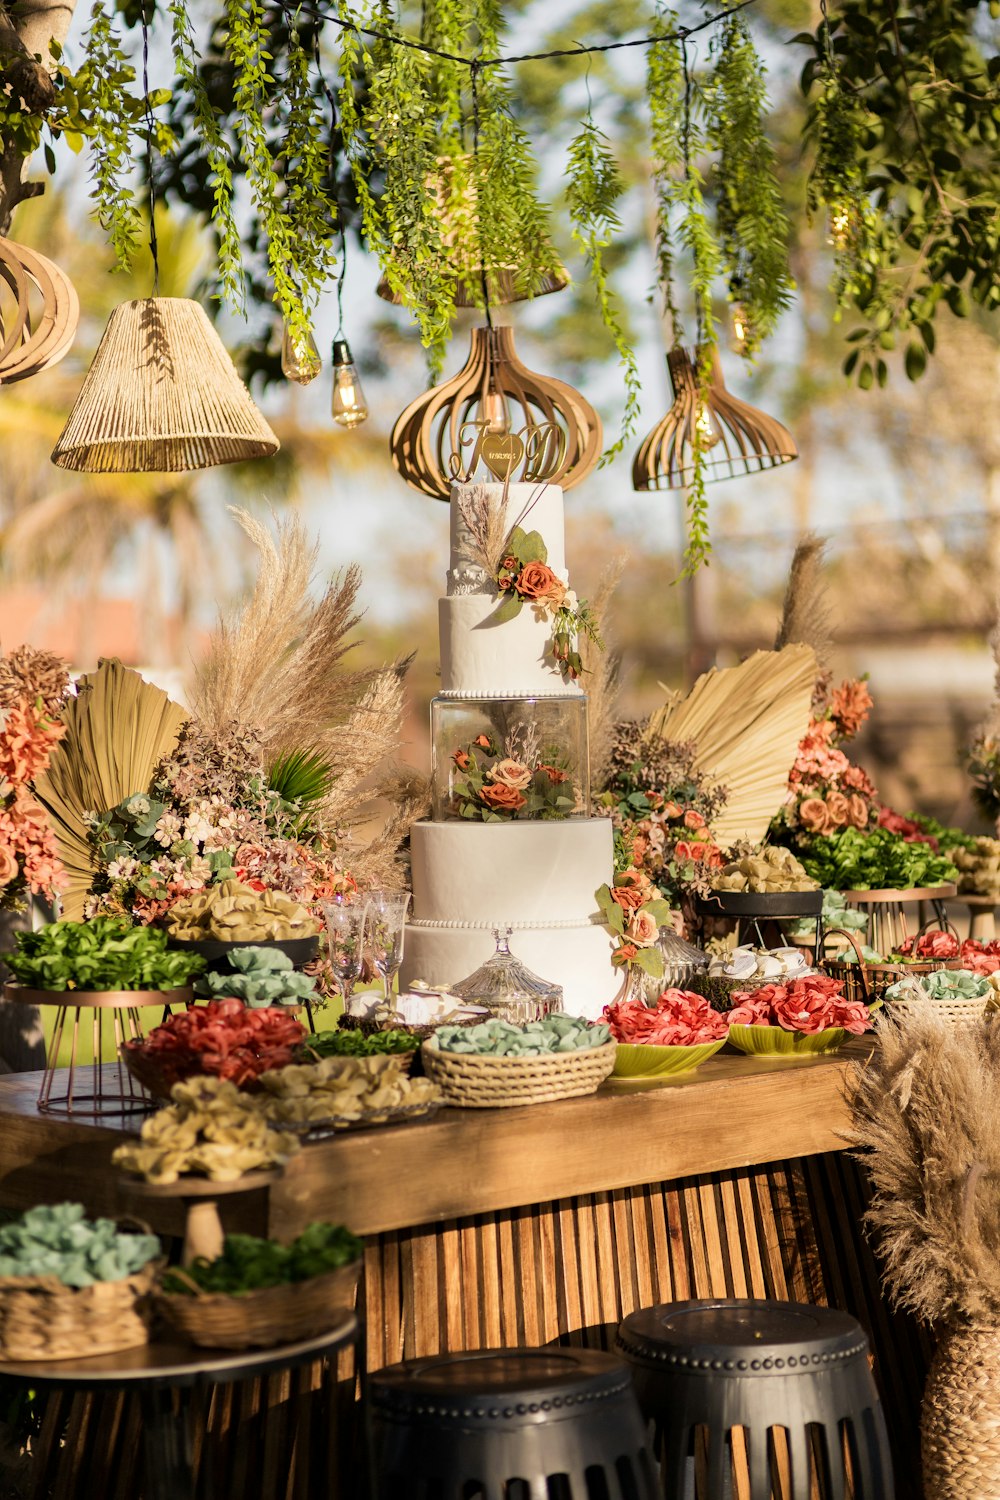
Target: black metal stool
[509,1424]
[704,1368]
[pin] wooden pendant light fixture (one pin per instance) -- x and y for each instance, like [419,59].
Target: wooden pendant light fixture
[733,437]
[39,312]
[525,416]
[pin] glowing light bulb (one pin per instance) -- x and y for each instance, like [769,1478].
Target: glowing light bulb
[741,326]
[840,225]
[494,412]
[349,407]
[300,359]
[706,434]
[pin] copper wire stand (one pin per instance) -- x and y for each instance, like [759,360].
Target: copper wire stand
[112,1089]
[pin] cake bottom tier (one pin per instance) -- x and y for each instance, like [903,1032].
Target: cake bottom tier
[576,955]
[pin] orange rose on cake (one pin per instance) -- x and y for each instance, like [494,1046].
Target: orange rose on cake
[502,798]
[536,581]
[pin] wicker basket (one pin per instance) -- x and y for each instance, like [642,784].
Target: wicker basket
[868,982]
[960,1419]
[40,1318]
[260,1319]
[959,1010]
[471,1081]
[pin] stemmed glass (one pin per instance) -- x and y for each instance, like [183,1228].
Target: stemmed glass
[386,917]
[345,929]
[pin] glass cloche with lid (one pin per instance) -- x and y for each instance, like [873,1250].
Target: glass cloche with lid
[508,988]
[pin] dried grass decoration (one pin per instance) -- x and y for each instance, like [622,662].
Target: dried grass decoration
[733,437]
[162,395]
[39,312]
[429,439]
[746,723]
[925,1110]
[117,728]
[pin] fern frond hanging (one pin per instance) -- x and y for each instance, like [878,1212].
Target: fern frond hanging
[664,93]
[593,190]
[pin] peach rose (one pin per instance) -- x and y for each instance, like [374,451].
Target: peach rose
[839,809]
[536,580]
[859,813]
[693,819]
[642,929]
[502,798]
[8,865]
[629,898]
[814,815]
[637,879]
[671,809]
[509,772]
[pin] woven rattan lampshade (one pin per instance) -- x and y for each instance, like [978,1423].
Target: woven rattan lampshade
[428,434]
[162,395]
[735,437]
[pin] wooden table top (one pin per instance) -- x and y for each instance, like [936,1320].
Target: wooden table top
[733,1112]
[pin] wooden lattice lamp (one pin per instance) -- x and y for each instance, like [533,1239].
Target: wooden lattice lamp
[733,437]
[519,407]
[39,312]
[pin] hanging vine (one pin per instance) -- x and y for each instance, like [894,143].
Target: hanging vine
[593,190]
[664,93]
[752,226]
[109,77]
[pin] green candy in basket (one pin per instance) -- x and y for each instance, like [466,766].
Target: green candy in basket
[674,1036]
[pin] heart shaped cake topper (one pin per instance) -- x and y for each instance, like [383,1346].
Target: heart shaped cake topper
[501,452]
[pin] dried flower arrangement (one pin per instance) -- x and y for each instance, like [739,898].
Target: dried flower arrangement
[33,690]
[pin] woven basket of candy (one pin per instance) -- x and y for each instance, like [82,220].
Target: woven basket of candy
[472,1080]
[957,997]
[868,982]
[263,1317]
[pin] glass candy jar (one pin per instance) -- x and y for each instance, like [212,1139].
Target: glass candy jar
[682,963]
[508,988]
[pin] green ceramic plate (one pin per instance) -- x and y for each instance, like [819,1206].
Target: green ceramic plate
[643,1060]
[774,1041]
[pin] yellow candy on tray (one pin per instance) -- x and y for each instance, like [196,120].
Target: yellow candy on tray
[211,1130]
[234,912]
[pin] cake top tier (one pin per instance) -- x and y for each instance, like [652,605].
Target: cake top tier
[533,507]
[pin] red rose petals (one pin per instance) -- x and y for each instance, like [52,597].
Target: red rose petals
[224,1038]
[679,1019]
[808,1005]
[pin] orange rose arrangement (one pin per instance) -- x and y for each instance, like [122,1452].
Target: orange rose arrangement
[33,688]
[524,577]
[494,781]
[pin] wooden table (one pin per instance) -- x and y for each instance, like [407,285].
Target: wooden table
[552,1222]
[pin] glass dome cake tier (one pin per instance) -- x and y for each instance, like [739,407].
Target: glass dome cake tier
[498,759]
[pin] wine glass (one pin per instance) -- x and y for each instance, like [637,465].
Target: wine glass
[345,929]
[385,921]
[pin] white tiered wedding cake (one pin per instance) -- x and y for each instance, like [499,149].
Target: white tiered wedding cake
[510,844]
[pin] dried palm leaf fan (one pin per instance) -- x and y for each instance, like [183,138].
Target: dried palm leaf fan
[746,723]
[457,215]
[732,436]
[162,395]
[532,417]
[117,729]
[39,312]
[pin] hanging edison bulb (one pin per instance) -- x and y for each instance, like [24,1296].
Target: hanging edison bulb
[494,411]
[706,433]
[300,359]
[349,407]
[741,328]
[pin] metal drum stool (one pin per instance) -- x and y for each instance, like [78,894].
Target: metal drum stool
[703,1369]
[509,1424]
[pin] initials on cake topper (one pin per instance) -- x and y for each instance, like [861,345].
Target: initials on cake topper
[538,451]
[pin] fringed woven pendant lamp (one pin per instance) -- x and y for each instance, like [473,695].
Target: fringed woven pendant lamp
[732,437]
[528,416]
[162,395]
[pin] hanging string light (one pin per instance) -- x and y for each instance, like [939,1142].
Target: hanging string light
[300,358]
[162,394]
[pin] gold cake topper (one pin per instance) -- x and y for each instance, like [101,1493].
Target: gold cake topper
[538,450]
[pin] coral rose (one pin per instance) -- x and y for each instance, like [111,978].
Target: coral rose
[684,850]
[536,580]
[461,759]
[814,815]
[637,880]
[8,865]
[629,898]
[859,811]
[483,741]
[510,772]
[624,954]
[642,929]
[693,819]
[671,809]
[839,809]
[554,774]
[849,705]
[502,798]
